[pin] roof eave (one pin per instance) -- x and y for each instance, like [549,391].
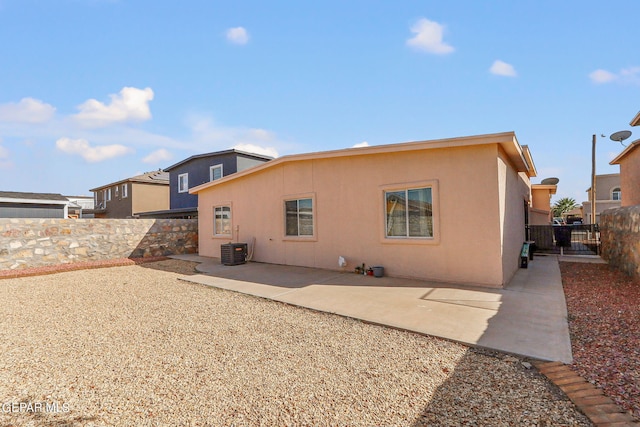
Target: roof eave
[507,140]
[625,152]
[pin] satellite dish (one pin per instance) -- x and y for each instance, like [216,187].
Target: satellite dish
[550,181]
[620,136]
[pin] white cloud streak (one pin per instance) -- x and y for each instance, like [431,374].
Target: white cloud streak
[429,37]
[238,35]
[361,144]
[28,110]
[629,75]
[501,68]
[158,156]
[91,154]
[206,133]
[130,105]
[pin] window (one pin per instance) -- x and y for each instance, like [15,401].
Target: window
[299,217]
[215,172]
[409,213]
[222,220]
[616,194]
[125,191]
[183,183]
[116,190]
[107,194]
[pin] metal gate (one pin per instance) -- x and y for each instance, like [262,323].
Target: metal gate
[578,239]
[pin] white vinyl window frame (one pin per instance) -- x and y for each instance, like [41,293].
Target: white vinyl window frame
[222,220]
[107,194]
[215,172]
[299,217]
[183,183]
[433,236]
[616,194]
[125,191]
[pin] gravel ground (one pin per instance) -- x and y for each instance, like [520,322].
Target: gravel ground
[604,321]
[134,345]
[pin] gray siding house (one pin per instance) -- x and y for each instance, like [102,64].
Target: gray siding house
[15,204]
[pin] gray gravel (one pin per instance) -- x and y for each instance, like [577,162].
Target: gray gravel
[134,345]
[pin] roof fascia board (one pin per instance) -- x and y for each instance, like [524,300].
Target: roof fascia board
[625,152]
[33,201]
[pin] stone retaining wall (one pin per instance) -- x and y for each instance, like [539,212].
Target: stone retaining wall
[26,243]
[620,238]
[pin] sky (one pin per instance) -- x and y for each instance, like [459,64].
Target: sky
[96,91]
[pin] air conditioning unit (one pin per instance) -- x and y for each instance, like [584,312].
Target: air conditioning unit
[233,253]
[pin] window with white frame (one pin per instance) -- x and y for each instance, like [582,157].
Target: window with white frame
[183,183]
[299,217]
[222,220]
[116,191]
[616,194]
[409,213]
[215,172]
[125,191]
[107,194]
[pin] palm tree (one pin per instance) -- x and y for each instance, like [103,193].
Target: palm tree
[563,205]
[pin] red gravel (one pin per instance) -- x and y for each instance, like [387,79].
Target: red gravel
[51,269]
[604,322]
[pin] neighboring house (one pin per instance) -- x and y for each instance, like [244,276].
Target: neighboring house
[81,206]
[608,196]
[32,205]
[629,161]
[131,196]
[450,210]
[197,170]
[540,212]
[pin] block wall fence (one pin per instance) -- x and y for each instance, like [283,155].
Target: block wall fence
[28,242]
[620,239]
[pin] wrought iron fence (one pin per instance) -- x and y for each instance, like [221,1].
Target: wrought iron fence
[577,239]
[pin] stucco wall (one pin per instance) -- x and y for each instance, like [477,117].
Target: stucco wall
[39,242]
[514,193]
[620,238]
[630,178]
[349,213]
[148,197]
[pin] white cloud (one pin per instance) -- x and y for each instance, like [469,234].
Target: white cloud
[361,144]
[428,37]
[207,133]
[158,156]
[28,110]
[602,76]
[629,75]
[130,105]
[89,153]
[501,68]
[238,35]
[256,149]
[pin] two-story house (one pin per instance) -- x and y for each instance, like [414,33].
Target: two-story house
[608,195]
[129,197]
[200,169]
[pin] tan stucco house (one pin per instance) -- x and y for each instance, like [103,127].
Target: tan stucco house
[629,161]
[449,210]
[540,212]
[132,196]
[608,196]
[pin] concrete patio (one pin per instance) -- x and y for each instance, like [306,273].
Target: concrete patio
[527,318]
